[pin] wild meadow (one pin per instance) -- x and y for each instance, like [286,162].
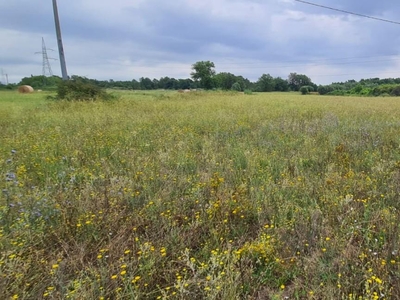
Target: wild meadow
[205,195]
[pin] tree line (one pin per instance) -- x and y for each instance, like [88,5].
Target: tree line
[204,76]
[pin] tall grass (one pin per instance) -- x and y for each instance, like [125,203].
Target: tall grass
[200,195]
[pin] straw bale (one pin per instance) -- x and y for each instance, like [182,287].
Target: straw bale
[25,89]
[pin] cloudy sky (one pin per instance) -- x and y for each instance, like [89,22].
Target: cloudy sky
[129,39]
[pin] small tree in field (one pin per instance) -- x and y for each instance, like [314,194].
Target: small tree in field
[236,87]
[304,90]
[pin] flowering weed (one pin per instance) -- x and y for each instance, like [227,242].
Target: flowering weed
[203,196]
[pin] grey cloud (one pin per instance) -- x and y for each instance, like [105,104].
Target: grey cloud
[28,16]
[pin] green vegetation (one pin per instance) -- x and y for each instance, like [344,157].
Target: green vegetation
[296,81]
[77,90]
[41,82]
[203,71]
[199,196]
[364,87]
[204,76]
[305,89]
[5,87]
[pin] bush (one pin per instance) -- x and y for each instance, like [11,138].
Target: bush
[304,90]
[76,90]
[396,91]
[236,87]
[10,86]
[248,92]
[324,89]
[337,93]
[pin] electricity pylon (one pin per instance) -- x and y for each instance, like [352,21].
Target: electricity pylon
[46,64]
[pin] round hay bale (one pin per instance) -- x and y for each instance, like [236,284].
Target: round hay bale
[25,89]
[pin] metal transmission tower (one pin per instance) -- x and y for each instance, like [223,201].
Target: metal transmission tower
[46,64]
[59,40]
[4,77]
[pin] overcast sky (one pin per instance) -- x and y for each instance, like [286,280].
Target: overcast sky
[129,39]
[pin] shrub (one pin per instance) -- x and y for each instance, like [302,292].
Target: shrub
[396,91]
[76,90]
[324,89]
[248,92]
[236,87]
[337,93]
[304,90]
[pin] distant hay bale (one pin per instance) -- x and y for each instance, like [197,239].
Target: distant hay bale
[25,89]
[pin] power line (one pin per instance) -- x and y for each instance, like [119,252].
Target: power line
[307,61]
[349,12]
[313,64]
[354,74]
[271,65]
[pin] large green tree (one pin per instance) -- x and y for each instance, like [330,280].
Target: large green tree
[204,72]
[224,80]
[265,83]
[296,81]
[281,85]
[146,83]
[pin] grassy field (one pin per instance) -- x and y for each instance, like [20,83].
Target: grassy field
[200,196]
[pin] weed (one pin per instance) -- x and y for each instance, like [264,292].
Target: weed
[200,195]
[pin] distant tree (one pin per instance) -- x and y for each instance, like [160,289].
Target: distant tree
[168,83]
[146,83]
[357,89]
[40,81]
[281,85]
[173,84]
[395,91]
[244,83]
[224,80]
[135,85]
[324,89]
[296,81]
[236,87]
[155,84]
[184,84]
[265,83]
[9,86]
[204,72]
[162,83]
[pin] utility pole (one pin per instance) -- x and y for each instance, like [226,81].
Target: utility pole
[59,41]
